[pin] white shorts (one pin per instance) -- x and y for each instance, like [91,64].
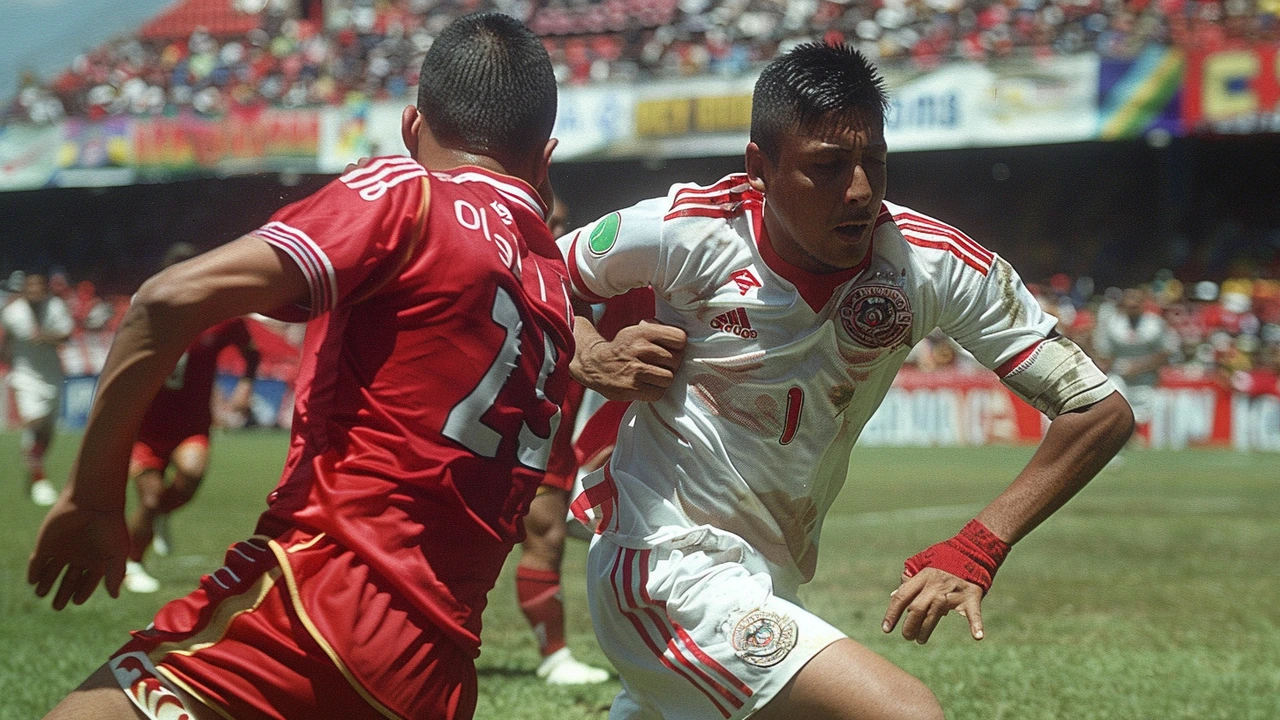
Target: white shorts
[694,628]
[36,398]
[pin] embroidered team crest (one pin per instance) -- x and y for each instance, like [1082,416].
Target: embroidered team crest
[764,638]
[604,234]
[745,280]
[876,316]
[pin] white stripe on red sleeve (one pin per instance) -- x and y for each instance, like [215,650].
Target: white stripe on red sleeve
[311,259]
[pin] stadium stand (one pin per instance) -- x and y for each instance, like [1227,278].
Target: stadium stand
[213,56]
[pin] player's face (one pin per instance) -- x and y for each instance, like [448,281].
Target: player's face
[824,192]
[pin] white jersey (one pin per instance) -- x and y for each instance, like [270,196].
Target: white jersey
[783,368]
[38,360]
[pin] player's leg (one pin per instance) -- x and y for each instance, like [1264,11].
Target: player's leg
[146,467]
[37,435]
[846,681]
[539,591]
[101,698]
[190,460]
[696,630]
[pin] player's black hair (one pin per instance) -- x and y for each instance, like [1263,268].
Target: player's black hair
[808,85]
[487,87]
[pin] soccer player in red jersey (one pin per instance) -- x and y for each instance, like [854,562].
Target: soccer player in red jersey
[434,367]
[175,433]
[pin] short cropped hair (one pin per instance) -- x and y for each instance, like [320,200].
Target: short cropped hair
[487,87]
[808,85]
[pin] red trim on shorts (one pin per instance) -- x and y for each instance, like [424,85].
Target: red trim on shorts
[1012,363]
[684,634]
[646,636]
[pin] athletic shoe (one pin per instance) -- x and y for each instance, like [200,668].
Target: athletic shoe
[43,493]
[138,580]
[562,668]
[161,541]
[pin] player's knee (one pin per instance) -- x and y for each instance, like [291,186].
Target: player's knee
[922,704]
[184,488]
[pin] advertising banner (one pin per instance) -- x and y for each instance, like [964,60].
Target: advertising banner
[973,408]
[96,154]
[358,130]
[242,141]
[1233,90]
[1015,102]
[28,155]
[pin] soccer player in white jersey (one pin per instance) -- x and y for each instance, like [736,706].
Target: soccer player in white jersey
[800,290]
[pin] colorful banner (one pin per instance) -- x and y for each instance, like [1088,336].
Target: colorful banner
[1143,94]
[243,141]
[1234,90]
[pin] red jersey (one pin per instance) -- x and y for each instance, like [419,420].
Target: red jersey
[181,408]
[431,379]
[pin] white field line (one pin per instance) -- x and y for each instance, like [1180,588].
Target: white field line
[1187,505]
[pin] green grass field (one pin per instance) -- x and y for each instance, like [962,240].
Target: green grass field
[1154,594]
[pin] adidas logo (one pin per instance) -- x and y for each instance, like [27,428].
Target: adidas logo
[745,280]
[736,322]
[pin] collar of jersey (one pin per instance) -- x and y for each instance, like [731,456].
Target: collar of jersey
[815,288]
[516,188]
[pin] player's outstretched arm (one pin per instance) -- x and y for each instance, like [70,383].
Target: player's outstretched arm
[638,364]
[84,533]
[955,574]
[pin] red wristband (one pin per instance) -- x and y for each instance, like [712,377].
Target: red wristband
[973,555]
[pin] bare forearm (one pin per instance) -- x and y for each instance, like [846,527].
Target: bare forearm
[1077,445]
[146,347]
[168,312]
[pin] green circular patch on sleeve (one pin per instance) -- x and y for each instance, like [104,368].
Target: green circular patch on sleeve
[605,233]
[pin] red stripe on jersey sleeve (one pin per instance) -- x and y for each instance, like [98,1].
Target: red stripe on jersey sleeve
[949,247]
[710,212]
[575,275]
[930,225]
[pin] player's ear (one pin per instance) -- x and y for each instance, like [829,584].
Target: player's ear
[410,123]
[757,163]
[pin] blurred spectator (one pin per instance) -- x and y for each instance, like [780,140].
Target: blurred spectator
[1132,342]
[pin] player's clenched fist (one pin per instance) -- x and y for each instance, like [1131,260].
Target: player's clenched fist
[638,364]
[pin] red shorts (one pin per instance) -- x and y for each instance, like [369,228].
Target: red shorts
[154,455]
[293,628]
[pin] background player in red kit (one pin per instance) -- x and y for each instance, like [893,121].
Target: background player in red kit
[433,371]
[175,433]
[588,430]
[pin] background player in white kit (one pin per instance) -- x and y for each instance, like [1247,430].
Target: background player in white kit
[801,291]
[36,323]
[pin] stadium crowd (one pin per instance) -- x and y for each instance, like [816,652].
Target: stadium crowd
[1228,332]
[364,50]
